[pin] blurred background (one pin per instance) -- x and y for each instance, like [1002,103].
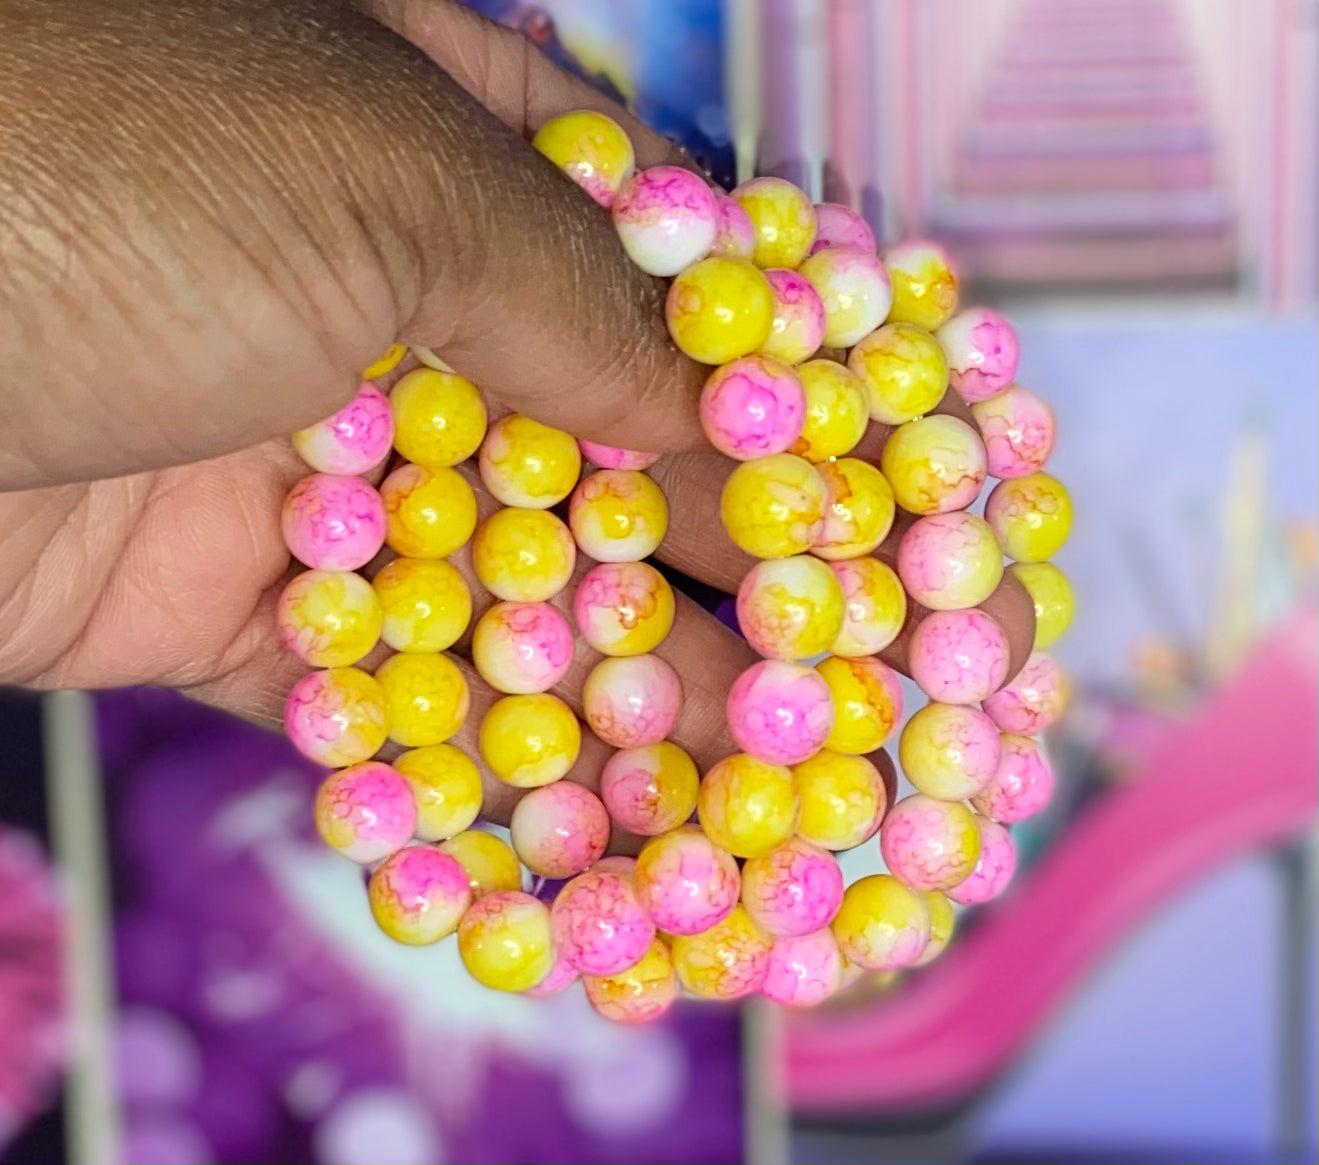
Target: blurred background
[1134,183]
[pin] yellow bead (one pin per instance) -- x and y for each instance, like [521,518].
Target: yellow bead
[774,506]
[837,412]
[387,363]
[426,698]
[790,608]
[882,925]
[924,284]
[429,513]
[842,798]
[725,962]
[720,309]
[904,371]
[641,993]
[747,806]
[489,861]
[934,464]
[524,463]
[618,515]
[439,418]
[867,703]
[418,895]
[874,606]
[329,618]
[943,921]
[860,511]
[624,608]
[426,604]
[591,149]
[783,219]
[524,556]
[1031,515]
[446,785]
[529,741]
[1051,593]
[504,941]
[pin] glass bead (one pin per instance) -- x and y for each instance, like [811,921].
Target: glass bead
[836,410]
[783,220]
[1031,515]
[1022,784]
[685,882]
[929,844]
[489,862]
[365,812]
[867,697]
[529,741]
[794,889]
[666,218]
[934,464]
[592,149]
[524,463]
[333,523]
[790,608]
[780,712]
[1033,701]
[623,608]
[747,806]
[735,237]
[803,970]
[642,993]
[425,603]
[336,717]
[719,309]
[429,513]
[523,556]
[837,225]
[958,657]
[860,509]
[650,790]
[799,325]
[774,506]
[504,941]
[949,751]
[994,869]
[854,289]
[948,562]
[981,348]
[522,648]
[728,961]
[354,440]
[446,785]
[388,361]
[874,606]
[1051,593]
[426,697]
[618,515]
[439,418]
[559,830]
[882,925]
[1018,430]
[843,799]
[903,370]
[612,457]
[752,407]
[632,701]
[419,895]
[328,618]
[943,922]
[599,926]
[924,283]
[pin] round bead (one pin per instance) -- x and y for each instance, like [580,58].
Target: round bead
[727,961]
[632,701]
[685,882]
[388,361]
[618,515]
[336,717]
[958,657]
[752,407]
[837,225]
[328,618]
[882,925]
[774,506]
[747,806]
[860,510]
[598,924]
[1031,515]
[439,418]
[611,457]
[719,309]
[425,603]
[1033,701]
[874,606]
[642,993]
[924,283]
[903,370]
[446,785]
[804,970]
[836,410]
[934,464]
[1018,430]
[929,844]
[562,976]
[591,149]
[559,830]
[504,941]
[950,561]
[994,869]
[419,895]
[354,440]
[794,889]
[524,463]
[981,348]
[798,328]
[366,812]
[490,864]
[1051,593]
[623,608]
[426,697]
[949,751]
[333,523]
[666,218]
[790,608]
[529,741]
[735,237]
[854,289]
[780,712]
[524,556]
[1022,784]
[842,798]
[867,697]
[943,921]
[783,219]
[429,513]
[650,790]
[522,648]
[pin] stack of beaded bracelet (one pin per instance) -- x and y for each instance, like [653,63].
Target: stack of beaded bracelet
[749,896]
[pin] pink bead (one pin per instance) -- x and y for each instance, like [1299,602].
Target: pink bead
[804,970]
[366,812]
[562,976]
[1022,784]
[611,457]
[780,712]
[631,701]
[650,790]
[837,225]
[929,844]
[1033,701]
[994,870]
[792,890]
[685,882]
[560,829]
[981,349]
[354,440]
[752,407]
[798,328]
[949,562]
[521,648]
[598,924]
[666,218]
[735,237]
[1018,430]
[333,523]
[336,717]
[958,657]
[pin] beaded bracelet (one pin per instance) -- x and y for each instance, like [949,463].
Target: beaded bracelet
[736,889]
